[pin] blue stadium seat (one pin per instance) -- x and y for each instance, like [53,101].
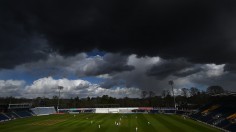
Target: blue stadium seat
[23,113]
[3,117]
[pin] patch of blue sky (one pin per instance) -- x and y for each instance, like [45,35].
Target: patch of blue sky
[16,75]
[93,79]
[96,52]
[201,87]
[30,77]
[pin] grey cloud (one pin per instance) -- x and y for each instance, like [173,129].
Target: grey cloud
[138,77]
[170,67]
[185,74]
[167,28]
[11,88]
[109,83]
[115,63]
[82,86]
[80,65]
[230,67]
[188,71]
[108,64]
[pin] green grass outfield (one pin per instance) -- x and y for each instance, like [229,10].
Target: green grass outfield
[90,123]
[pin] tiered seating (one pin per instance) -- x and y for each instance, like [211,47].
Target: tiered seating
[221,115]
[232,127]
[3,117]
[232,117]
[12,115]
[13,111]
[23,113]
[43,110]
[223,123]
[208,111]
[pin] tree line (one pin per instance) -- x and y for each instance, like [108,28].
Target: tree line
[188,99]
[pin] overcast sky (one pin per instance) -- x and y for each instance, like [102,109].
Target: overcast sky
[115,47]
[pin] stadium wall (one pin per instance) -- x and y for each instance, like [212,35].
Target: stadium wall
[115,110]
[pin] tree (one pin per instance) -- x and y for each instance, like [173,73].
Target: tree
[194,91]
[184,92]
[105,99]
[88,98]
[151,94]
[165,93]
[215,90]
[76,101]
[144,94]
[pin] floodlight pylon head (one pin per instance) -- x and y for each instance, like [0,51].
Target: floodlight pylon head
[60,87]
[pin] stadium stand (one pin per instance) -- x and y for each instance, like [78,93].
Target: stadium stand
[127,110]
[113,110]
[14,111]
[89,111]
[208,111]
[220,114]
[19,110]
[72,111]
[43,110]
[102,110]
[23,114]
[3,118]
[232,117]
[77,110]
[12,115]
[3,108]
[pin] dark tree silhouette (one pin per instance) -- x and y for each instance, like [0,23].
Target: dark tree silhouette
[215,90]
[194,91]
[184,92]
[151,94]
[144,94]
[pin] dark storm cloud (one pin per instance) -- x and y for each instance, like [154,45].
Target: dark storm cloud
[19,43]
[230,67]
[15,50]
[200,31]
[187,72]
[171,67]
[115,63]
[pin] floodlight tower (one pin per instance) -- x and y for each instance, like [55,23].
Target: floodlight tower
[59,93]
[171,83]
